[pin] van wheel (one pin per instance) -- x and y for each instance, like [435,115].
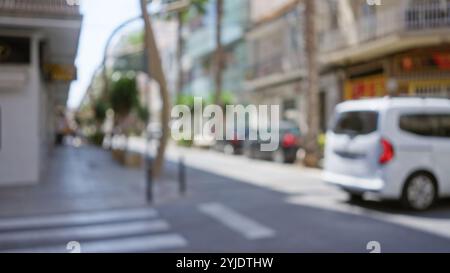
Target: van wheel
[355,197]
[420,192]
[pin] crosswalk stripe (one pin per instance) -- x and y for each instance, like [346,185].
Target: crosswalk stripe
[249,228]
[81,233]
[76,219]
[146,243]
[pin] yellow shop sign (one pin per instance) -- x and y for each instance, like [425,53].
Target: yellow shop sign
[367,87]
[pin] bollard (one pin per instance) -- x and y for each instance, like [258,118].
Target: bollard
[149,182]
[182,176]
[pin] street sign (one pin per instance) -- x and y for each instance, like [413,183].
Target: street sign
[61,72]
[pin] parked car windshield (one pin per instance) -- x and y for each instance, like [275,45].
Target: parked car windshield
[289,128]
[356,123]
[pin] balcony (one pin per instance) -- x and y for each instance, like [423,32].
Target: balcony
[397,28]
[203,84]
[280,68]
[233,79]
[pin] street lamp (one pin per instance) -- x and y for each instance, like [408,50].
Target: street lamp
[173,6]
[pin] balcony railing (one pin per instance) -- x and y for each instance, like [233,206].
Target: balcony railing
[426,15]
[39,8]
[278,64]
[203,83]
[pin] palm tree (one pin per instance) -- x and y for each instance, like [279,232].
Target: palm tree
[312,146]
[219,53]
[157,73]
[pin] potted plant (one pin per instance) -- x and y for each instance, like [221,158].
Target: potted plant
[123,97]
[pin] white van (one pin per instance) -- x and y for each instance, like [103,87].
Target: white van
[398,148]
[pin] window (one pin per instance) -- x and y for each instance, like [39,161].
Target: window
[429,125]
[356,123]
[15,50]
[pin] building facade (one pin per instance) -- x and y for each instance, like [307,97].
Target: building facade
[276,65]
[200,48]
[38,44]
[398,48]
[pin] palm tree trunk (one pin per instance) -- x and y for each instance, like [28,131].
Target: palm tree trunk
[180,53]
[219,53]
[312,146]
[157,73]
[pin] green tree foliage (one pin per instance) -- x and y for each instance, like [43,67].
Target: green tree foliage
[143,113]
[188,100]
[124,93]
[197,7]
[100,109]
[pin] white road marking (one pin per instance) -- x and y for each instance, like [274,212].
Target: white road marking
[81,233]
[250,229]
[440,227]
[76,219]
[146,243]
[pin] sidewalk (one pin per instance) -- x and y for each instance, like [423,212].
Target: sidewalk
[78,179]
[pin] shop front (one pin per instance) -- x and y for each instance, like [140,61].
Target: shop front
[421,72]
[365,87]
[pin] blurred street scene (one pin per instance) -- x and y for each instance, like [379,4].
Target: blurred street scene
[89,155]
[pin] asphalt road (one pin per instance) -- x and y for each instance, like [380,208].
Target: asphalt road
[292,210]
[233,204]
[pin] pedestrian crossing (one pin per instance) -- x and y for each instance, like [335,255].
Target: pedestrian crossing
[124,230]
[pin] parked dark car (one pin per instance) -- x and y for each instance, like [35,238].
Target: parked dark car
[290,143]
[235,145]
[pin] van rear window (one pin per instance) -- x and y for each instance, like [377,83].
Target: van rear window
[428,125]
[356,123]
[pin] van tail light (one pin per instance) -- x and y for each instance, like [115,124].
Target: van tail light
[289,140]
[387,152]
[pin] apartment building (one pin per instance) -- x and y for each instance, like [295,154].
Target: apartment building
[277,65]
[397,48]
[200,49]
[276,57]
[401,47]
[38,44]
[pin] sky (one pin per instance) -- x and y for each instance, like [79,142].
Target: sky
[101,17]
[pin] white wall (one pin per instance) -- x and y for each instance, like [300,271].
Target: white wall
[20,151]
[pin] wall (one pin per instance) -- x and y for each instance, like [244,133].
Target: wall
[20,151]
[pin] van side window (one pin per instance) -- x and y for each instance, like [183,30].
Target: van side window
[428,125]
